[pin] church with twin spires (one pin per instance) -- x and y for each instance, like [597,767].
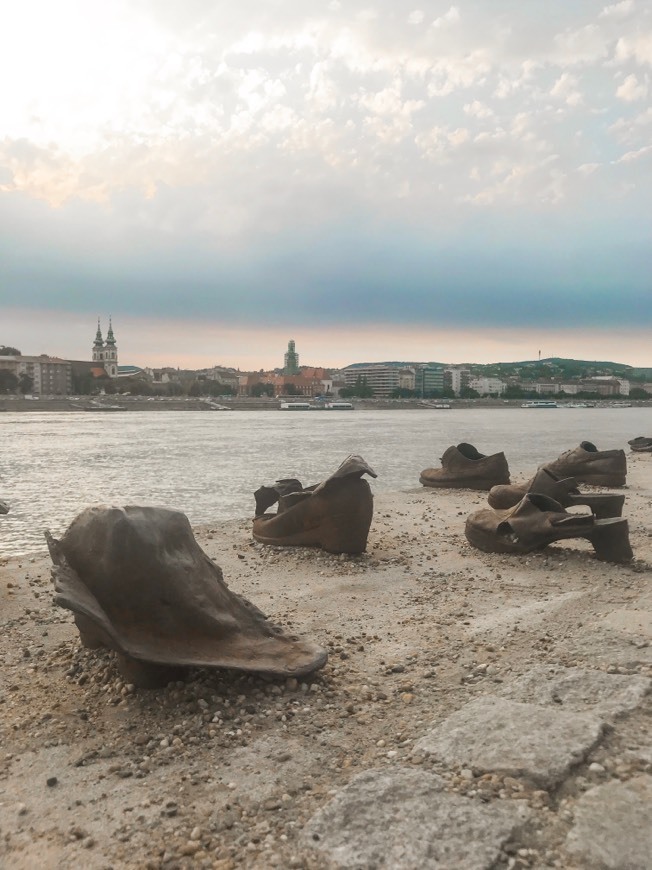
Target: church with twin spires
[105,353]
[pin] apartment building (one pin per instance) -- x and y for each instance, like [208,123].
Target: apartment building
[50,375]
[381,377]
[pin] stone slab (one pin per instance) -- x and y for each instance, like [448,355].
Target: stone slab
[613,826]
[579,689]
[403,818]
[637,622]
[496,735]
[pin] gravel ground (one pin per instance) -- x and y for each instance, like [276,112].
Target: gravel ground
[225,770]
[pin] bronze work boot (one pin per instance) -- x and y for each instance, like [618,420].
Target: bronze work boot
[463,467]
[589,465]
[537,521]
[334,515]
[544,482]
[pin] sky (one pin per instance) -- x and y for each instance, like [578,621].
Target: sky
[455,182]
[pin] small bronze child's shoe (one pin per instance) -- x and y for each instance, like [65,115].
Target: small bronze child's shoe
[464,467]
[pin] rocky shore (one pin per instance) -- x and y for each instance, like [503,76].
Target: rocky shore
[477,711]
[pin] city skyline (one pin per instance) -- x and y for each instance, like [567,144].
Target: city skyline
[280,351]
[457,182]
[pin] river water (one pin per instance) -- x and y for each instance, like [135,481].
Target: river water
[209,464]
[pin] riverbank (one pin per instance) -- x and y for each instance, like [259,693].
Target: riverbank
[106,404]
[431,644]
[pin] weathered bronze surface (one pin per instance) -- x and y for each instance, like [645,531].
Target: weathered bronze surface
[138,583]
[334,515]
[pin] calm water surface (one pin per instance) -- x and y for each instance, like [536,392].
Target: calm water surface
[209,464]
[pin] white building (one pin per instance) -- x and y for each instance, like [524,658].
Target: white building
[382,378]
[488,386]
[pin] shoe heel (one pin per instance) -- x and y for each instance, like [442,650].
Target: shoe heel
[603,506]
[88,633]
[610,540]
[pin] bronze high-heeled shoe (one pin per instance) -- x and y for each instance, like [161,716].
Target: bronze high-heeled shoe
[566,492]
[138,583]
[334,515]
[537,521]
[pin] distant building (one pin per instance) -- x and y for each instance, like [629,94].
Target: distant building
[407,378]
[429,380]
[383,378]
[488,386]
[105,353]
[456,378]
[50,375]
[291,362]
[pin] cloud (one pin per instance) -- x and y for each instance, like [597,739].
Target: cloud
[618,10]
[565,89]
[327,161]
[631,90]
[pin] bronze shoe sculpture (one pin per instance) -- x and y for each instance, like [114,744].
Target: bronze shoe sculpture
[565,492]
[537,521]
[138,583]
[589,465]
[334,515]
[4,507]
[464,467]
[641,444]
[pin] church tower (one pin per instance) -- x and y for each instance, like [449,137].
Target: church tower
[111,353]
[105,354]
[98,346]
[291,366]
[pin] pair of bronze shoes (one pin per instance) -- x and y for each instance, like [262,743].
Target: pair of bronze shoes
[334,515]
[463,466]
[530,516]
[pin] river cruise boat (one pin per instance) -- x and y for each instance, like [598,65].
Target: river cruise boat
[540,405]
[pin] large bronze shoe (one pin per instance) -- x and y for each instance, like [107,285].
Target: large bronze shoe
[641,444]
[465,467]
[565,492]
[334,515]
[138,583]
[589,465]
[537,521]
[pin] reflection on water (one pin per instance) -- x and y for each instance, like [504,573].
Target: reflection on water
[208,465]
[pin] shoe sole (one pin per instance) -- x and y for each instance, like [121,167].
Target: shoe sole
[471,483]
